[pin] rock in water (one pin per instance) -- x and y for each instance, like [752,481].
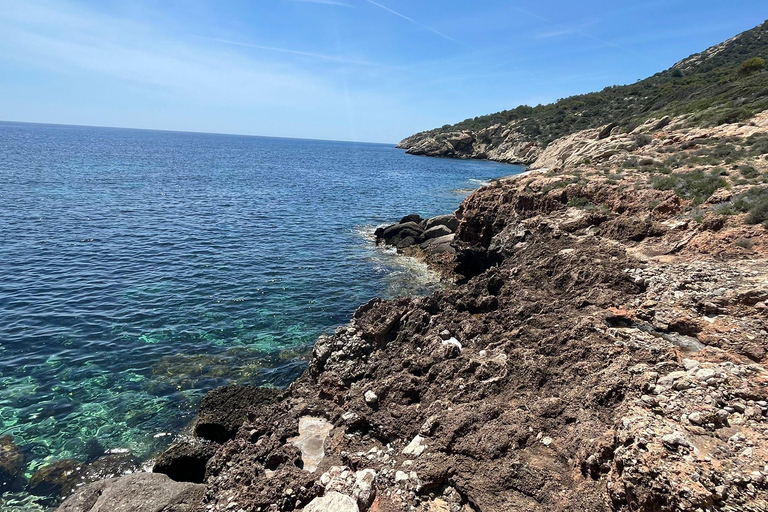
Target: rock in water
[436,232]
[449,221]
[139,492]
[11,464]
[56,479]
[414,217]
[332,502]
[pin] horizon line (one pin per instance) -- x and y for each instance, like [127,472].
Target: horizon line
[166,130]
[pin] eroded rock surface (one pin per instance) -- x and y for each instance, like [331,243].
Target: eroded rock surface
[604,349]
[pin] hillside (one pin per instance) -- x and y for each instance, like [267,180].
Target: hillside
[726,83]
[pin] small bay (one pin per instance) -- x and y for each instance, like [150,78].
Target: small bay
[141,269]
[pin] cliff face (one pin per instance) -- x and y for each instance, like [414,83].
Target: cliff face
[706,89]
[501,143]
[605,349]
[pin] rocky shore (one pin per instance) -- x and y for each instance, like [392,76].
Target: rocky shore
[604,348]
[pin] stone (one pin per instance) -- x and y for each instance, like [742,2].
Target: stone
[311,441]
[11,464]
[358,485]
[705,373]
[139,492]
[448,221]
[453,341]
[414,217]
[415,448]
[332,502]
[690,364]
[185,461]
[370,397]
[436,232]
[224,410]
[675,440]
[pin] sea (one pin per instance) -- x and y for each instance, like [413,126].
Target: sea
[140,269]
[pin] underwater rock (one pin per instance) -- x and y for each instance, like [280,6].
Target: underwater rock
[61,478]
[57,479]
[11,464]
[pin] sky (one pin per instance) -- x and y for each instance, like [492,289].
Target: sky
[360,70]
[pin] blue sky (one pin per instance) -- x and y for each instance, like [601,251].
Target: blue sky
[333,69]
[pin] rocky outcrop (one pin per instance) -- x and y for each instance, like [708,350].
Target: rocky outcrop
[185,461]
[501,143]
[224,410]
[428,239]
[139,492]
[604,349]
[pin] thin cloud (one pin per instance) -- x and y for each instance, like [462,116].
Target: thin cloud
[332,58]
[562,29]
[325,2]
[425,27]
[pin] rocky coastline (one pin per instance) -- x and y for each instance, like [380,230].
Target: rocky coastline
[604,348]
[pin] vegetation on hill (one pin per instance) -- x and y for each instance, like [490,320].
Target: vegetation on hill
[724,84]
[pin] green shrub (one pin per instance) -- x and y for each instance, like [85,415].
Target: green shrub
[748,172]
[749,66]
[580,202]
[694,185]
[755,202]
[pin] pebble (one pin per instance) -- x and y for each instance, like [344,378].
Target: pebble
[371,398]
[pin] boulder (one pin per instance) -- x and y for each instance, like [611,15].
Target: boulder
[436,232]
[438,245]
[11,464]
[333,502]
[396,233]
[139,492]
[449,221]
[414,217]
[224,410]
[185,461]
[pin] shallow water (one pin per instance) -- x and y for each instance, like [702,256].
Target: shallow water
[141,268]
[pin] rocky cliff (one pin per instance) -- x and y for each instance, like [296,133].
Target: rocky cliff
[501,143]
[706,89]
[604,348]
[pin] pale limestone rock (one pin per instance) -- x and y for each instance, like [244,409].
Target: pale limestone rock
[415,447]
[333,502]
[311,441]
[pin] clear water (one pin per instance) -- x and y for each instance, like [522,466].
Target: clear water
[140,269]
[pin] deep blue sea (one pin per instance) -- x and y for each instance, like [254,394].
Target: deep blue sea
[139,269]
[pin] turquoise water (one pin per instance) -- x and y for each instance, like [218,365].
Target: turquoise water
[141,269]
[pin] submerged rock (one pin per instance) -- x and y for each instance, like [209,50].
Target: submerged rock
[61,478]
[11,464]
